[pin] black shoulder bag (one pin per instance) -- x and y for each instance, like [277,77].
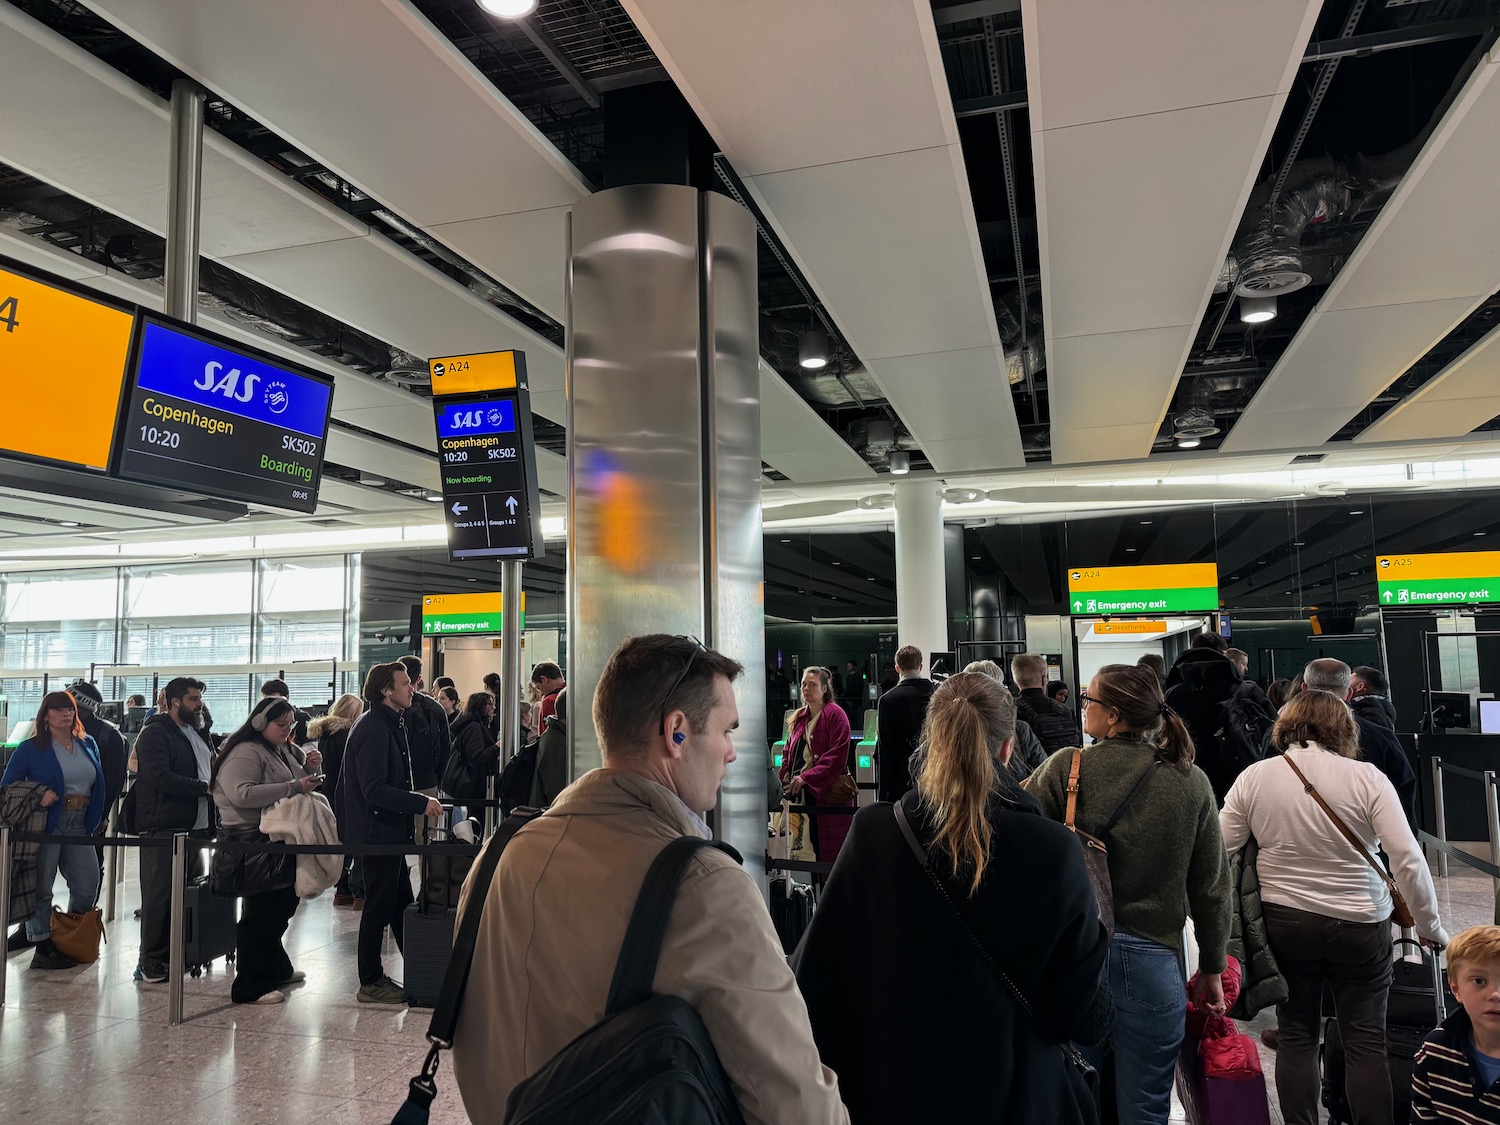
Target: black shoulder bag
[1080,1072]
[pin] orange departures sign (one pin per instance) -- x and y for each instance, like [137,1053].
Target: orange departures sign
[62,360]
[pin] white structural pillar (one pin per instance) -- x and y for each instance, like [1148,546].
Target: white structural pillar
[921,598]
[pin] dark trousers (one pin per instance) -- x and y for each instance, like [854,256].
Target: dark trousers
[1354,960]
[352,878]
[387,895]
[260,960]
[156,895]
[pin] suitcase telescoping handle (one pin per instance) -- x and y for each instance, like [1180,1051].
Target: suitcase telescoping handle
[1430,957]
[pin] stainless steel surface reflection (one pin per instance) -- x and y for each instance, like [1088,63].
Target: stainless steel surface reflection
[664,454]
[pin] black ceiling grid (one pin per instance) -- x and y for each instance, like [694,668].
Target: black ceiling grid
[984,59]
[1374,82]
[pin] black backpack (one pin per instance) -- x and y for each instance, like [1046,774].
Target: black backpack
[513,789]
[1244,725]
[649,1060]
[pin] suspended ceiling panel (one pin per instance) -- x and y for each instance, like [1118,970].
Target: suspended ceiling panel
[376,286]
[373,91]
[790,441]
[1150,122]
[1451,403]
[105,139]
[1429,259]
[865,184]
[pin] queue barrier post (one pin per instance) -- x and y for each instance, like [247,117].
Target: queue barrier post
[4,895]
[112,868]
[1440,813]
[1492,811]
[177,945]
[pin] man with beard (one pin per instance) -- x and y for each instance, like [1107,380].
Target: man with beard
[171,796]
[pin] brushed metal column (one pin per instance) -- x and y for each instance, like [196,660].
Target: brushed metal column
[664,531]
[185,184]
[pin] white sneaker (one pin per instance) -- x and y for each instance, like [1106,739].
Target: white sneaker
[273,997]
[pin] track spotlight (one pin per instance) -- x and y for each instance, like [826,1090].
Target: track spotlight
[1257,310]
[900,462]
[812,349]
[510,9]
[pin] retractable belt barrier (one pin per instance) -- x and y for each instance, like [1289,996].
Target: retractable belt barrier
[1459,854]
[1490,779]
[181,844]
[813,866]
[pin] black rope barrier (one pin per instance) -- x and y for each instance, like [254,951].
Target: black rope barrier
[247,847]
[1459,854]
[1462,771]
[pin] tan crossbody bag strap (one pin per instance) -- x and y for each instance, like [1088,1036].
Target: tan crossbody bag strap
[1359,846]
[1071,815]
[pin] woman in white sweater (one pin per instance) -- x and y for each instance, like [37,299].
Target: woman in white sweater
[1327,910]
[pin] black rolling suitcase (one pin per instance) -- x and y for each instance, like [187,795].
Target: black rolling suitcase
[791,910]
[208,926]
[1419,1001]
[430,922]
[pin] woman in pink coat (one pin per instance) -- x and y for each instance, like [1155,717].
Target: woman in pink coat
[817,755]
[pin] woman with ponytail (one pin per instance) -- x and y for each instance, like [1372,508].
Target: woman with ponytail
[1166,863]
[957,946]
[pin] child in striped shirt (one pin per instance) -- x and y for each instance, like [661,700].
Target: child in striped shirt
[1457,1072]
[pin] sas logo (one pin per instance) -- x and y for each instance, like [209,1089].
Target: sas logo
[466,419]
[231,384]
[277,399]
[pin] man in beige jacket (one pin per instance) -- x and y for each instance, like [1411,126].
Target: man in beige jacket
[556,913]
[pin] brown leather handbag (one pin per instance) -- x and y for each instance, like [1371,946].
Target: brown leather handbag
[78,935]
[1401,914]
[1095,850]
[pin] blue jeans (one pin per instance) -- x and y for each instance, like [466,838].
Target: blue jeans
[79,864]
[1145,979]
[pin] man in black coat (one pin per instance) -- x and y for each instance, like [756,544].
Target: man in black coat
[171,795]
[898,724]
[376,805]
[427,733]
[1201,681]
[1377,743]
[1051,721]
[1369,697]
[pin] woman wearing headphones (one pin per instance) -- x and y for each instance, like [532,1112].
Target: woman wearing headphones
[257,766]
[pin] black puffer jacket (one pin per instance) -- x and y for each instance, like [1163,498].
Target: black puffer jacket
[1249,942]
[1376,709]
[167,787]
[112,755]
[473,760]
[1199,685]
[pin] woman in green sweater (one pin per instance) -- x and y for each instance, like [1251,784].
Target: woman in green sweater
[1166,862]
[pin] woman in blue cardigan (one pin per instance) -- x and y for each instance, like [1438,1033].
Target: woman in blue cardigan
[66,760]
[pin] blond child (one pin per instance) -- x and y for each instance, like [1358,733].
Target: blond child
[1457,1071]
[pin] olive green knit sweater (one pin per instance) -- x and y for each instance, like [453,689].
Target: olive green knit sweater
[1166,857]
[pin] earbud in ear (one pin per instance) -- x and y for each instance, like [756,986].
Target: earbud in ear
[679,738]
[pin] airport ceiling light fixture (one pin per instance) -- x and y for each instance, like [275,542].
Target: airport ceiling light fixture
[1257,310]
[509,9]
[900,462]
[812,349]
[1189,442]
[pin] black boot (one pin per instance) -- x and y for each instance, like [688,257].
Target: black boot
[17,940]
[48,956]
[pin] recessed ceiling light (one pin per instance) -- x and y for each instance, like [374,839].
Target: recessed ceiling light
[74,523]
[1234,578]
[836,563]
[510,9]
[976,557]
[434,498]
[1299,543]
[786,540]
[1478,533]
[373,482]
[1188,443]
[870,579]
[1130,550]
[1145,523]
[1357,512]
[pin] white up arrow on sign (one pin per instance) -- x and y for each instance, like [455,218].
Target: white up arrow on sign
[510,503]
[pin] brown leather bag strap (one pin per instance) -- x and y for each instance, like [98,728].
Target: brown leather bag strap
[1344,828]
[1070,818]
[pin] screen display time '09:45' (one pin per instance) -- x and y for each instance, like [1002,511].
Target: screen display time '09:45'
[209,419]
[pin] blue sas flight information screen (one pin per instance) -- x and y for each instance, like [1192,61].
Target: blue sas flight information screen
[212,417]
